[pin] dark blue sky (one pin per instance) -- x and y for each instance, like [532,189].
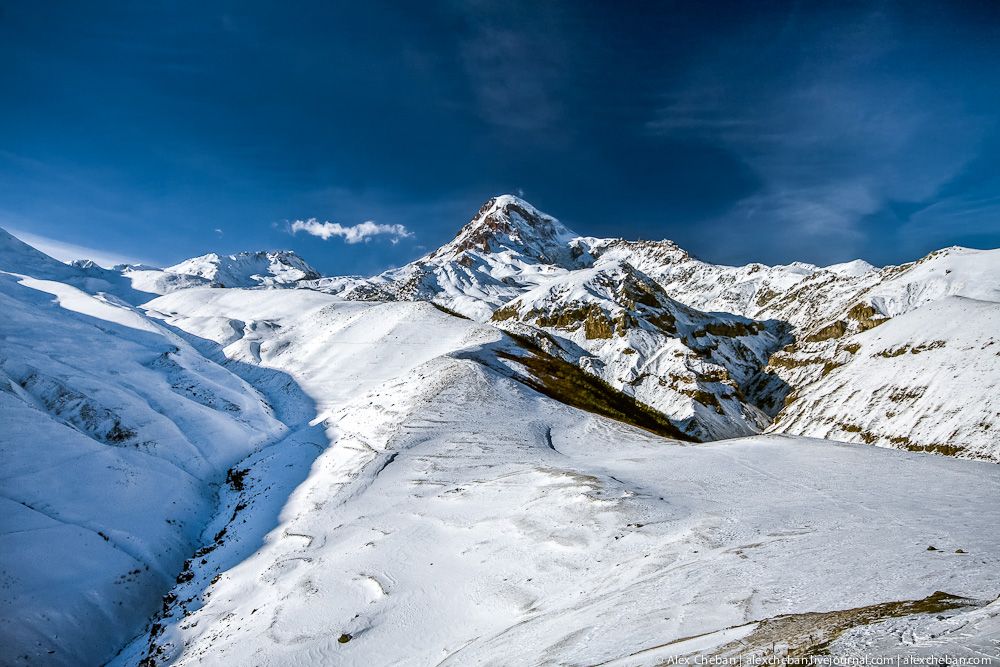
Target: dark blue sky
[744,131]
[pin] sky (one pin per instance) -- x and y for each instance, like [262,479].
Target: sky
[363,134]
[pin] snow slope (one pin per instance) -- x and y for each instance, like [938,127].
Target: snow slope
[459,517]
[153,281]
[928,380]
[113,432]
[942,402]
[17,256]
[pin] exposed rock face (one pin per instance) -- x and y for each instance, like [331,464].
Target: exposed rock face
[696,368]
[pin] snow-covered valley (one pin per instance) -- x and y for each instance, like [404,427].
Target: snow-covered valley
[507,452]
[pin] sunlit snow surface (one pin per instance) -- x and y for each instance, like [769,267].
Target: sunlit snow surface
[113,432]
[928,378]
[395,497]
[457,516]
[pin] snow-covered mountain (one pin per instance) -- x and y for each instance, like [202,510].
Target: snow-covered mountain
[114,429]
[506,249]
[715,376]
[512,263]
[925,380]
[696,368]
[272,268]
[247,269]
[486,456]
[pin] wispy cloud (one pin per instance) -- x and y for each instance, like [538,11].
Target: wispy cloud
[514,68]
[350,233]
[67,252]
[832,140]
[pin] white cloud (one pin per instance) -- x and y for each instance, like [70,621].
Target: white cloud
[350,233]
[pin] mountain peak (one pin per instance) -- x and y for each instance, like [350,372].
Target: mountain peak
[507,223]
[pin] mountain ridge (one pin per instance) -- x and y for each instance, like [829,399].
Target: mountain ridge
[522,270]
[267,268]
[811,313]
